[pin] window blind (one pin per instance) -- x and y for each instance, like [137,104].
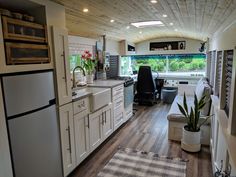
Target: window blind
[213,64]
[208,74]
[228,78]
[218,73]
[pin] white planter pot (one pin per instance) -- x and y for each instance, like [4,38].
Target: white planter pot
[89,78]
[191,141]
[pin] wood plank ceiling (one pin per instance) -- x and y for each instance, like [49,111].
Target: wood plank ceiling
[197,19]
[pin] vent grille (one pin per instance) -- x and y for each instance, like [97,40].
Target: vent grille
[228,78]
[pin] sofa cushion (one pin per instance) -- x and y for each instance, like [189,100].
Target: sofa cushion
[174,113]
[207,91]
[204,80]
[199,91]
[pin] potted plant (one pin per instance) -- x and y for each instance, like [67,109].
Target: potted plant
[89,65]
[192,131]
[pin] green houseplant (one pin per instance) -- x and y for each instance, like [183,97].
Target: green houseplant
[191,132]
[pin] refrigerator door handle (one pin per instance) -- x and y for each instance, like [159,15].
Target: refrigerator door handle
[52,101]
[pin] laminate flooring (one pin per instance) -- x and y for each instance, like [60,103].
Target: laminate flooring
[147,131]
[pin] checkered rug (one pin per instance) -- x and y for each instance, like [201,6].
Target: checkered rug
[132,163]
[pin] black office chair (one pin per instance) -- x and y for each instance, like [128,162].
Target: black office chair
[159,85]
[146,88]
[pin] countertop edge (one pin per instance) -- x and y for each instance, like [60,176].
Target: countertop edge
[81,97]
[96,84]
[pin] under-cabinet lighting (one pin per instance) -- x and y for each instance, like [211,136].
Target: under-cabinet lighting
[85,10]
[147,23]
[153,1]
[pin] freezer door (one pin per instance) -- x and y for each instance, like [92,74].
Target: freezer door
[35,144]
[27,92]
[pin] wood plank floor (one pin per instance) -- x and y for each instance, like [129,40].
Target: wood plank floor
[147,131]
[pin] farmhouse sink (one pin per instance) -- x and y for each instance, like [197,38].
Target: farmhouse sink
[99,98]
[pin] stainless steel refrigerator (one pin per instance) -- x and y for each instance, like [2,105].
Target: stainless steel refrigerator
[33,125]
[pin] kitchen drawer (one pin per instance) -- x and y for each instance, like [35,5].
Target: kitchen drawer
[81,105]
[118,120]
[119,109]
[118,102]
[118,90]
[118,96]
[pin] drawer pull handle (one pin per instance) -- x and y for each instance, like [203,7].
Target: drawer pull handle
[119,102]
[68,130]
[88,122]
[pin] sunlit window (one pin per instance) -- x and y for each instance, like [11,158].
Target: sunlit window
[75,60]
[178,64]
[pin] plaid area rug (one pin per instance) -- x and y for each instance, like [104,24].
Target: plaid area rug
[132,163]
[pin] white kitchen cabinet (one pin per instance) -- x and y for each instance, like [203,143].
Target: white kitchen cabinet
[118,105]
[95,129]
[127,48]
[67,138]
[81,126]
[107,121]
[62,65]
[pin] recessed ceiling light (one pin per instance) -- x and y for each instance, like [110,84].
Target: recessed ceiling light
[147,23]
[153,1]
[164,15]
[85,10]
[127,27]
[140,32]
[112,20]
[176,29]
[171,24]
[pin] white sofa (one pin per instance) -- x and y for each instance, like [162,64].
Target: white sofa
[176,121]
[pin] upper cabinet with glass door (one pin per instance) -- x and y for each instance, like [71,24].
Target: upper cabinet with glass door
[24,42]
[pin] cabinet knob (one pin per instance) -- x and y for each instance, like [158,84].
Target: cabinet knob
[69,149]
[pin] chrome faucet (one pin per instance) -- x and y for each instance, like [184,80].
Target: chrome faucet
[74,84]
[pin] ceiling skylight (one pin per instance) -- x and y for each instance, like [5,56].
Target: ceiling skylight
[147,24]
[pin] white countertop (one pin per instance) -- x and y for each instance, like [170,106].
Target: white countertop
[106,83]
[81,93]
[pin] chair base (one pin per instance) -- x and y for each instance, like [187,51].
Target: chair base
[146,98]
